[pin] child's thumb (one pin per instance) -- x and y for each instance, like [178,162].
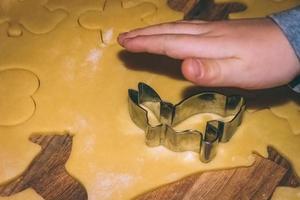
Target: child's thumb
[207,72]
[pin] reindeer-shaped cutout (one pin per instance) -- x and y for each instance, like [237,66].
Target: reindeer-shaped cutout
[47,174]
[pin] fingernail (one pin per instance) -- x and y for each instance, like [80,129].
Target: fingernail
[121,37]
[123,43]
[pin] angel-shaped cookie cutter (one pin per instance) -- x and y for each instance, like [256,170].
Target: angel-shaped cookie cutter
[170,115]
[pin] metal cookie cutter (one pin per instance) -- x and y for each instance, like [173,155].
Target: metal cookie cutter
[170,115]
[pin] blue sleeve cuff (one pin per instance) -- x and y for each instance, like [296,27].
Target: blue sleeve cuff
[289,22]
[295,84]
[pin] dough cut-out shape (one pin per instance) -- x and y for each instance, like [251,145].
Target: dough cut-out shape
[32,15]
[163,12]
[291,112]
[260,8]
[76,6]
[115,18]
[47,174]
[16,89]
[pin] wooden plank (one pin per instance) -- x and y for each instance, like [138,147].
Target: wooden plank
[291,179]
[49,178]
[47,174]
[205,9]
[209,11]
[184,6]
[256,182]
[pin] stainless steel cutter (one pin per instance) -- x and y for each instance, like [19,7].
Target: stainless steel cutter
[170,115]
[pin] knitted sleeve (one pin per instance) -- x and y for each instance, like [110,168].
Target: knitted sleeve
[289,22]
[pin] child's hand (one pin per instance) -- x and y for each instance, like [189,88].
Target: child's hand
[250,54]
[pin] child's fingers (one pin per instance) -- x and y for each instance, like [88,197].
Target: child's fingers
[180,46]
[194,21]
[167,28]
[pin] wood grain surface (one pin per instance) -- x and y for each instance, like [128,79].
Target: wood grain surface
[256,182]
[205,9]
[184,6]
[47,174]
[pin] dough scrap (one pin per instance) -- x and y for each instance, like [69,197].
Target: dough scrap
[286,193]
[163,12]
[19,15]
[260,8]
[30,193]
[16,102]
[291,112]
[114,11]
[76,7]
